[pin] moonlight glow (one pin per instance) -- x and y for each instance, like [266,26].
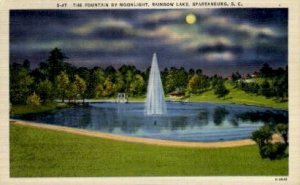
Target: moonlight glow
[190,19]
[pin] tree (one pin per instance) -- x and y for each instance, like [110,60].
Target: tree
[221,90]
[119,84]
[55,63]
[20,84]
[80,86]
[198,84]
[236,76]
[280,86]
[83,73]
[70,70]
[97,77]
[26,64]
[268,148]
[191,73]
[105,89]
[262,136]
[110,71]
[265,89]
[33,100]
[215,80]
[199,71]
[137,85]
[128,78]
[62,83]
[41,73]
[71,92]
[44,89]
[176,79]
[266,71]
[194,84]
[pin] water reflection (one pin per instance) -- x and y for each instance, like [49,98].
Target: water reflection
[188,122]
[179,123]
[219,115]
[202,118]
[234,122]
[267,117]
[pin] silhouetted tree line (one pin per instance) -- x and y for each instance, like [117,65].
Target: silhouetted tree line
[58,79]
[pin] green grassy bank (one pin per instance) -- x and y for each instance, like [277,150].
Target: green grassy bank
[236,96]
[26,109]
[38,152]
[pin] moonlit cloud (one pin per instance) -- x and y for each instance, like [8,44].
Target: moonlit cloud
[224,56]
[228,39]
[174,15]
[94,25]
[83,45]
[163,15]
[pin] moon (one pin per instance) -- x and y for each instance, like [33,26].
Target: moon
[191,18]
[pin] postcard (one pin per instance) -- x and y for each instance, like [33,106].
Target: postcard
[150,92]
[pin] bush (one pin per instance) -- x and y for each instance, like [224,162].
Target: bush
[262,136]
[267,149]
[273,151]
[283,130]
[221,90]
[33,100]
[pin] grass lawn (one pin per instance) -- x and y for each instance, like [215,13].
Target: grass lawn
[237,96]
[36,152]
[137,99]
[25,109]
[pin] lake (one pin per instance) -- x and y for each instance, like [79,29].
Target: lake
[206,122]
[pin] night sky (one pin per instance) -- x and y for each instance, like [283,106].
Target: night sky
[221,41]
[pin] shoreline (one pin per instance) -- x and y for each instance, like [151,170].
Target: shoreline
[23,109]
[130,139]
[208,102]
[138,100]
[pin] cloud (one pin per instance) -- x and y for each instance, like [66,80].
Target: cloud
[229,24]
[98,37]
[217,57]
[159,16]
[78,45]
[94,25]
[220,48]
[258,16]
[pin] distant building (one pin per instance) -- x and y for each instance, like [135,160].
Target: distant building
[251,80]
[229,78]
[176,94]
[254,75]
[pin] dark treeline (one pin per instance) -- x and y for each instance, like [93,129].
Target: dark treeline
[57,79]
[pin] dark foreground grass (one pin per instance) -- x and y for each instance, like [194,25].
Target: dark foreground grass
[38,152]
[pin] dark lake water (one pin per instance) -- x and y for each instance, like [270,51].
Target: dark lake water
[184,121]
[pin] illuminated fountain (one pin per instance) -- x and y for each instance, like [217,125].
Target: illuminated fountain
[155,102]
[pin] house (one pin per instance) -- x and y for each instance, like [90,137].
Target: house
[254,75]
[176,94]
[229,78]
